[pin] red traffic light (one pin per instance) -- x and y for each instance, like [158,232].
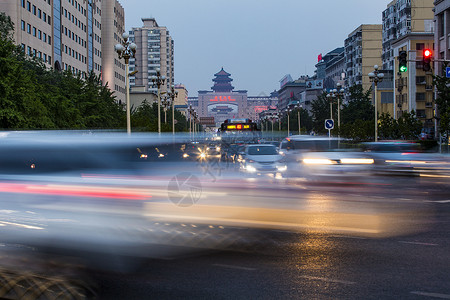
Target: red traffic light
[427,53]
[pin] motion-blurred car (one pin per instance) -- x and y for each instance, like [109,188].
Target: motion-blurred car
[404,158]
[262,158]
[325,159]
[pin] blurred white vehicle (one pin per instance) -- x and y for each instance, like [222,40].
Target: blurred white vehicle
[262,158]
[319,158]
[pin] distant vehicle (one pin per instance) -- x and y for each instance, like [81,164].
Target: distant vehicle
[324,159]
[261,159]
[235,133]
[403,158]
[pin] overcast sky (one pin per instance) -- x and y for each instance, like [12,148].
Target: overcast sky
[257,41]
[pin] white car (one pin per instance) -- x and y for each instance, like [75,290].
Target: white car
[262,158]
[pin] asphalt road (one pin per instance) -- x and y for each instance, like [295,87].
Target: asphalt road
[288,265]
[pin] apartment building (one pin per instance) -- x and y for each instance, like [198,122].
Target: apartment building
[442,33]
[362,52]
[72,35]
[400,18]
[155,50]
[414,88]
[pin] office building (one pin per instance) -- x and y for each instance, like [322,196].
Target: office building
[362,52]
[71,35]
[155,50]
[400,18]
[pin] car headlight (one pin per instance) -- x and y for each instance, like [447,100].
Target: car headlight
[357,161]
[318,161]
[250,168]
[282,168]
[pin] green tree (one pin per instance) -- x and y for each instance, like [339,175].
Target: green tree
[442,84]
[359,105]
[6,27]
[320,109]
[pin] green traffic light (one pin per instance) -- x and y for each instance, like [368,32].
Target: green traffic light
[403,69]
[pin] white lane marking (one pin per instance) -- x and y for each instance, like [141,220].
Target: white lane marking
[234,267]
[328,279]
[418,243]
[435,295]
[348,237]
[439,201]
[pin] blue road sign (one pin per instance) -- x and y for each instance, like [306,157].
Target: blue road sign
[329,124]
[447,71]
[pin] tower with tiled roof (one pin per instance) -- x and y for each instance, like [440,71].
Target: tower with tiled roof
[222,82]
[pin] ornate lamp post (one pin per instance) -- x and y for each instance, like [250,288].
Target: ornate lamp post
[288,110]
[330,98]
[336,94]
[376,77]
[159,80]
[127,50]
[165,102]
[173,94]
[191,113]
[299,107]
[279,115]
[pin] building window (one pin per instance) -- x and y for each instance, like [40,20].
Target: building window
[23,25]
[441,24]
[45,37]
[29,28]
[420,96]
[34,9]
[420,46]
[29,50]
[49,20]
[28,6]
[34,31]
[44,15]
[39,34]
[23,3]
[49,40]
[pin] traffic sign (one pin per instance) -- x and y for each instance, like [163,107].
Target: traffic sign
[447,71]
[329,124]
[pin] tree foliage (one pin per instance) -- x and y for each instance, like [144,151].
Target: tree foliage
[145,118]
[442,84]
[406,127]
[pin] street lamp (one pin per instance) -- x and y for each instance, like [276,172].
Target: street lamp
[288,110]
[173,94]
[158,80]
[191,112]
[330,98]
[127,50]
[376,77]
[165,102]
[279,115]
[336,93]
[299,107]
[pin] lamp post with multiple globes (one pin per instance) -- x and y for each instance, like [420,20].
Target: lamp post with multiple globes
[376,77]
[127,50]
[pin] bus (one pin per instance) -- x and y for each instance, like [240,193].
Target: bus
[235,133]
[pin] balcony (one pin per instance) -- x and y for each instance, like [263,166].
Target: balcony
[429,105]
[429,87]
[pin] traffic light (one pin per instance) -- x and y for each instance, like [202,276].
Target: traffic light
[427,54]
[402,61]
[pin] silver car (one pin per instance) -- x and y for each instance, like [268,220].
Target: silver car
[262,158]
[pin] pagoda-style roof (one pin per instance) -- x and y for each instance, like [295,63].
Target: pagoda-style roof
[222,82]
[222,72]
